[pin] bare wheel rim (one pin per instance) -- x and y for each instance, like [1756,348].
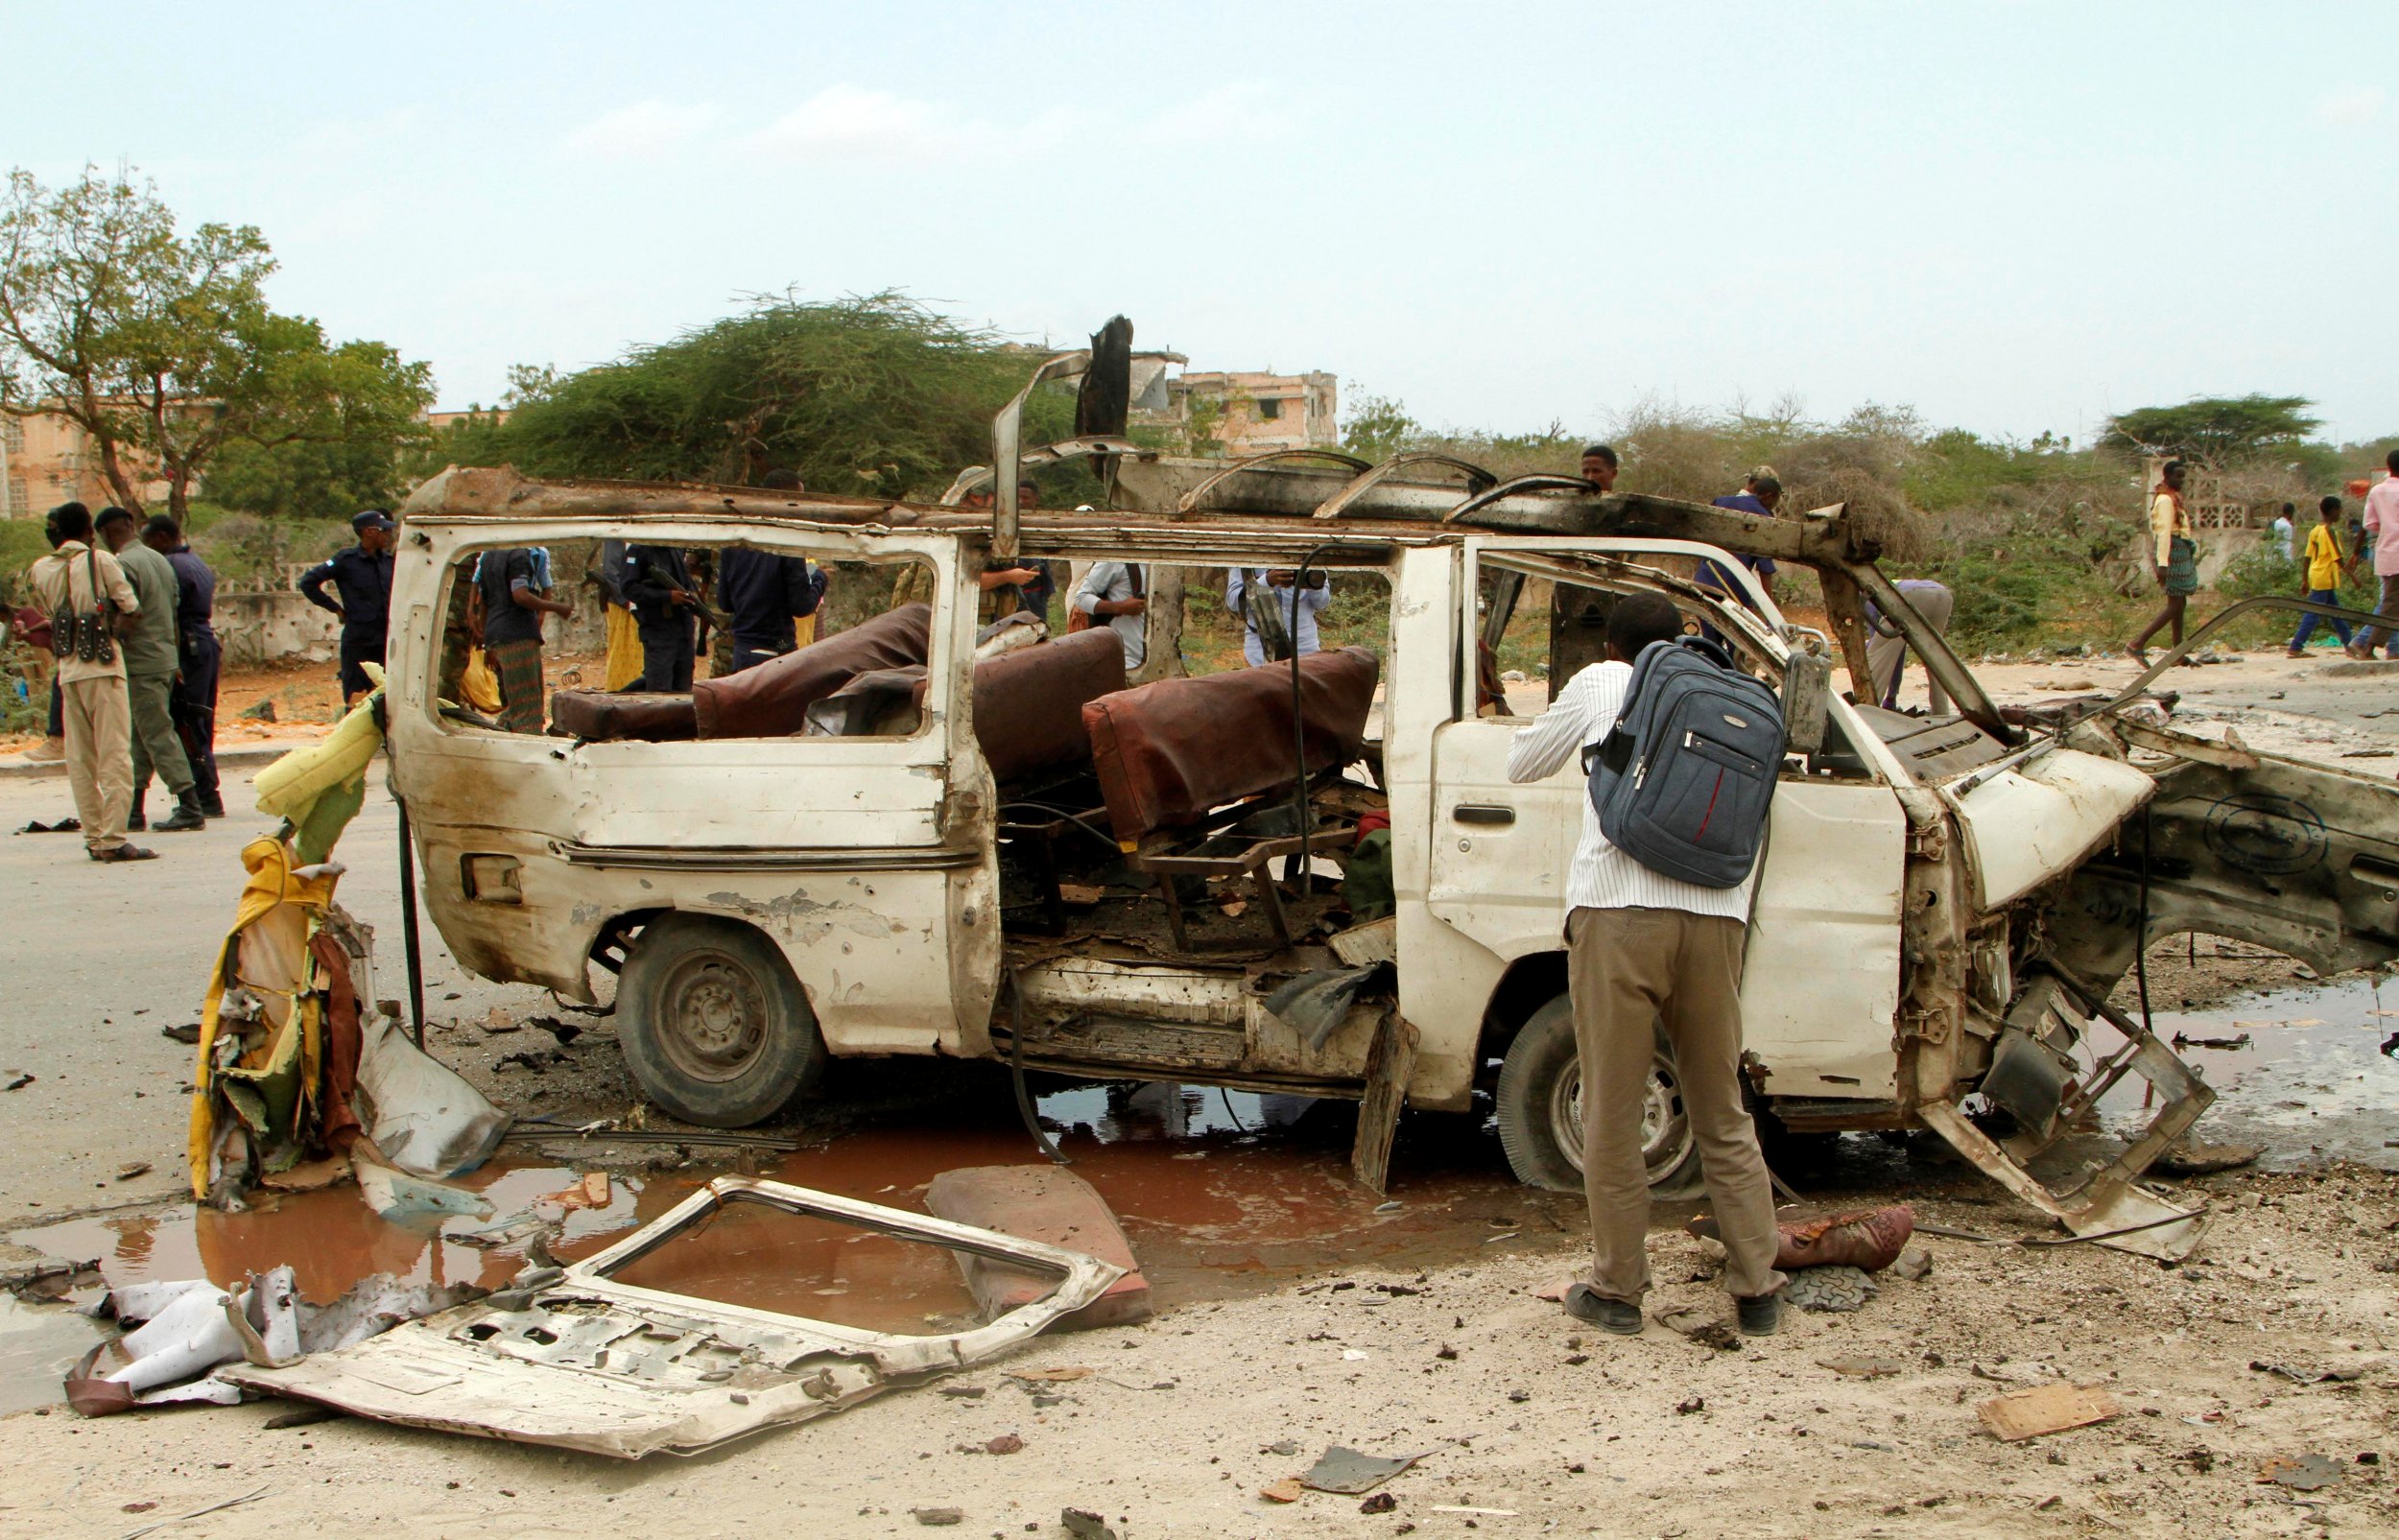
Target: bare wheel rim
[712,1017]
[1664,1127]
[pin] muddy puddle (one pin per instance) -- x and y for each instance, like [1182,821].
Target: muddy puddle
[1220,1192]
[38,1344]
[2299,1071]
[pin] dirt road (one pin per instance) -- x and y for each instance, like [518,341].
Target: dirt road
[1517,1408]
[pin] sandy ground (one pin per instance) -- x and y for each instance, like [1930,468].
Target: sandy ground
[1566,1429]
[2298,1272]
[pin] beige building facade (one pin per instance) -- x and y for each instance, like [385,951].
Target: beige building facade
[46,460]
[1260,411]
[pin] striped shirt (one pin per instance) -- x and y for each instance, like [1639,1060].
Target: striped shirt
[1602,876]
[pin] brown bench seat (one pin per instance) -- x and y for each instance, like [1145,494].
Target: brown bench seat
[768,701]
[1170,753]
[1028,706]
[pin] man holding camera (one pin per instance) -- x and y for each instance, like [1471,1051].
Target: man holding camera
[86,592]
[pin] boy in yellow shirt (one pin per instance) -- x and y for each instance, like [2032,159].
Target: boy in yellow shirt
[2325,568]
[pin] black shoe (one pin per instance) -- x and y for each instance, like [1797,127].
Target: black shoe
[187,817]
[136,821]
[1761,1315]
[212,806]
[1586,1303]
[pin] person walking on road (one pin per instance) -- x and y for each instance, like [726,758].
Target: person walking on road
[2326,566]
[362,575]
[152,661]
[83,586]
[199,658]
[2381,526]
[2174,557]
[1645,949]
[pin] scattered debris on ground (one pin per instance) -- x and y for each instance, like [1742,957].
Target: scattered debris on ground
[2046,1408]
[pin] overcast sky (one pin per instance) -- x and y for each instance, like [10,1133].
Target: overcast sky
[2014,217]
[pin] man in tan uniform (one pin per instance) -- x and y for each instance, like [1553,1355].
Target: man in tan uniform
[98,720]
[152,663]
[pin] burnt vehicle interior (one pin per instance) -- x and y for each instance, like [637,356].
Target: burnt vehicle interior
[1208,817]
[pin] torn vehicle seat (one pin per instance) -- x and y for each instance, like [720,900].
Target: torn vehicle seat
[772,700]
[1028,706]
[602,717]
[1170,753]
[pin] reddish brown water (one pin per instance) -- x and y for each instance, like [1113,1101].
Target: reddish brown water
[799,1264]
[1217,1193]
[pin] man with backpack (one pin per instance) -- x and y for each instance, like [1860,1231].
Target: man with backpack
[1649,948]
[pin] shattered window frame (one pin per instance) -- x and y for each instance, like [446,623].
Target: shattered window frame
[508,1366]
[835,548]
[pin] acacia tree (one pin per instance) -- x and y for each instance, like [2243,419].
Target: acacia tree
[2219,430]
[74,266]
[162,348]
[873,395]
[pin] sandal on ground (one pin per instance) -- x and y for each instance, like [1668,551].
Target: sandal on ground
[128,851]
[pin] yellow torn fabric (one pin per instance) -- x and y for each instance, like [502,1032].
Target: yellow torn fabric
[478,685]
[286,787]
[265,955]
[625,655]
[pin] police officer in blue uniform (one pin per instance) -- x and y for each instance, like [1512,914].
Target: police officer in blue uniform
[361,576]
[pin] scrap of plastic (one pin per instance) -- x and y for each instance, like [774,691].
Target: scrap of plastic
[191,1326]
[424,1118]
[189,1336]
[1346,1470]
[404,1197]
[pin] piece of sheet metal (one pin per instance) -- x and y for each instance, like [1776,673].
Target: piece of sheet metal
[578,1360]
[2104,1204]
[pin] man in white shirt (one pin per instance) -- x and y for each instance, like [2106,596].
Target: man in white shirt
[2381,526]
[1117,594]
[1284,597]
[1644,949]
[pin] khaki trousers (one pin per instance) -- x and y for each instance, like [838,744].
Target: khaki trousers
[2386,634]
[150,699]
[1629,969]
[99,757]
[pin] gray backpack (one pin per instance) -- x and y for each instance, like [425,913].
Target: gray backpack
[1683,781]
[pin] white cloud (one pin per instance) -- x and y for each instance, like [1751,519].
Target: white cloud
[1243,108]
[647,128]
[851,123]
[2350,107]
